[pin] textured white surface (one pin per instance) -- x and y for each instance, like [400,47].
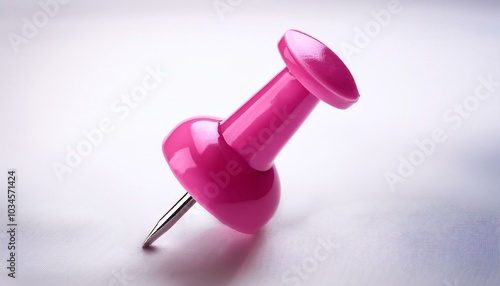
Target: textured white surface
[339,222]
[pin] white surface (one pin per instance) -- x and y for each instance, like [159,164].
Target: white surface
[441,226]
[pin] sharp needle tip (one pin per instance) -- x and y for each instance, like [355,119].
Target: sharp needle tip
[169,219]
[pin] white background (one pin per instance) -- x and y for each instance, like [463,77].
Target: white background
[440,226]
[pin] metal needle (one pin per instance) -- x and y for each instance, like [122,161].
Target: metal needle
[169,219]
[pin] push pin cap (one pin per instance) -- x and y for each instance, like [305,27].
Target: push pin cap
[227,165]
[318,69]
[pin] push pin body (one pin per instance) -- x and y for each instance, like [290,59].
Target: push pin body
[227,165]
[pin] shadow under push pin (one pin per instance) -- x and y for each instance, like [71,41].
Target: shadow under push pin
[226,165]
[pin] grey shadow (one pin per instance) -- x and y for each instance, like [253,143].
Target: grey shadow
[212,258]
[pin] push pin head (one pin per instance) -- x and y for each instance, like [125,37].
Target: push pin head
[227,165]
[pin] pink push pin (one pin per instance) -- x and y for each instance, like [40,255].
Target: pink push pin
[227,165]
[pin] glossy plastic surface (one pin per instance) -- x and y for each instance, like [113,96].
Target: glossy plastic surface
[260,128]
[227,166]
[318,69]
[218,178]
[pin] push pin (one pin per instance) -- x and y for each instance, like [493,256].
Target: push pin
[226,165]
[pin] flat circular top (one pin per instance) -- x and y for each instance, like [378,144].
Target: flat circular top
[318,69]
